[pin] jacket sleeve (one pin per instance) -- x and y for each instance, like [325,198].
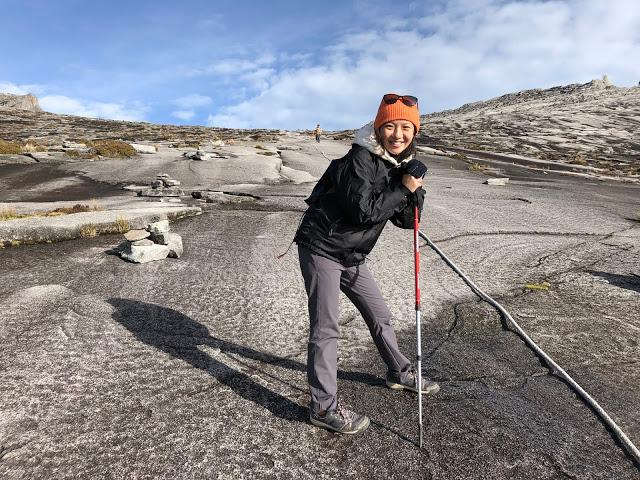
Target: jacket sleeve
[364,206]
[403,217]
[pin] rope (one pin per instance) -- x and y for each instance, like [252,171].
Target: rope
[631,449]
[322,152]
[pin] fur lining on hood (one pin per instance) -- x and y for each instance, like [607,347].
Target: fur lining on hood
[366,137]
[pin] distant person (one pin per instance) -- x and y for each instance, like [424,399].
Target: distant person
[348,209]
[317,132]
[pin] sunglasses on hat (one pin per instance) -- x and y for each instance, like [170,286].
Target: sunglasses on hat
[408,100]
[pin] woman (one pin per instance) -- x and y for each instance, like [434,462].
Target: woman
[348,209]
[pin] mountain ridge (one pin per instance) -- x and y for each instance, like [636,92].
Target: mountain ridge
[595,123]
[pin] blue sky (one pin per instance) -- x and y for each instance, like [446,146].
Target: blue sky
[292,64]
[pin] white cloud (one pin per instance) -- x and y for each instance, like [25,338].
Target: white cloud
[192,101]
[231,66]
[113,111]
[467,51]
[8,87]
[184,114]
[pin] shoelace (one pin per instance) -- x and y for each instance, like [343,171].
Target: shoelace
[344,413]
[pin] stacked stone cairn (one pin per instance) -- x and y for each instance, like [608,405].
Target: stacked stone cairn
[163,186]
[155,242]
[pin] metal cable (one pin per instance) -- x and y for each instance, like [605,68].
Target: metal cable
[631,449]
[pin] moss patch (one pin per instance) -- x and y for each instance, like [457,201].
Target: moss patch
[79,154]
[10,148]
[112,148]
[10,213]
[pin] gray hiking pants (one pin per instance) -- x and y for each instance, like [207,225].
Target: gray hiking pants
[323,280]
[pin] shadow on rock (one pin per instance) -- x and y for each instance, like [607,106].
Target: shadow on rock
[178,335]
[630,282]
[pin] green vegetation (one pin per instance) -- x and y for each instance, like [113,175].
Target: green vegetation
[10,148]
[112,148]
[17,148]
[121,225]
[88,230]
[477,167]
[577,158]
[79,154]
[537,286]
[11,214]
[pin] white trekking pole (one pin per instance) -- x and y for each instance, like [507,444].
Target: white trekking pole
[416,269]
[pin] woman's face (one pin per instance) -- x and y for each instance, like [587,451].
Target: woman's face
[396,135]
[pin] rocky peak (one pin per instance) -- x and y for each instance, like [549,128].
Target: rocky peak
[28,102]
[592,123]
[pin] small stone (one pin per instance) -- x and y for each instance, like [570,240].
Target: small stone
[143,242]
[135,235]
[175,245]
[496,181]
[162,175]
[159,227]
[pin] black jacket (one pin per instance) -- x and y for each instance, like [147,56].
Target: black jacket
[351,204]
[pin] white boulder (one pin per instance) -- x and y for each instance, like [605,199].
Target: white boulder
[496,181]
[175,245]
[145,253]
[139,148]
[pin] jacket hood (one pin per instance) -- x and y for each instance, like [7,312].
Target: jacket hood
[366,137]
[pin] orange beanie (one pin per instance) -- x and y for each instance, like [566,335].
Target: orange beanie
[396,111]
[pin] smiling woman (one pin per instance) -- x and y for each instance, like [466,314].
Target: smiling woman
[348,210]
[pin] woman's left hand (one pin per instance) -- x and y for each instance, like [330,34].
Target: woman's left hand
[411,182]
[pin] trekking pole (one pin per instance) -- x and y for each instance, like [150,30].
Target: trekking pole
[416,269]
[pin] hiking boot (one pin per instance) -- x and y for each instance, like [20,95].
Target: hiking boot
[394,382]
[340,420]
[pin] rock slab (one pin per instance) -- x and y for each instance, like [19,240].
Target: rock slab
[135,235]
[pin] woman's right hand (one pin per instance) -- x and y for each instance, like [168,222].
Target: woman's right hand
[411,182]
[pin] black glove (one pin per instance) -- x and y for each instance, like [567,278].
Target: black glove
[415,168]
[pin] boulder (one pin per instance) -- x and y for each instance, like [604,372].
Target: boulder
[142,243]
[135,235]
[161,192]
[175,245]
[158,227]
[168,182]
[200,155]
[496,181]
[135,188]
[145,253]
[159,232]
[139,148]
[221,197]
[162,175]
[74,146]
[293,148]
[157,184]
